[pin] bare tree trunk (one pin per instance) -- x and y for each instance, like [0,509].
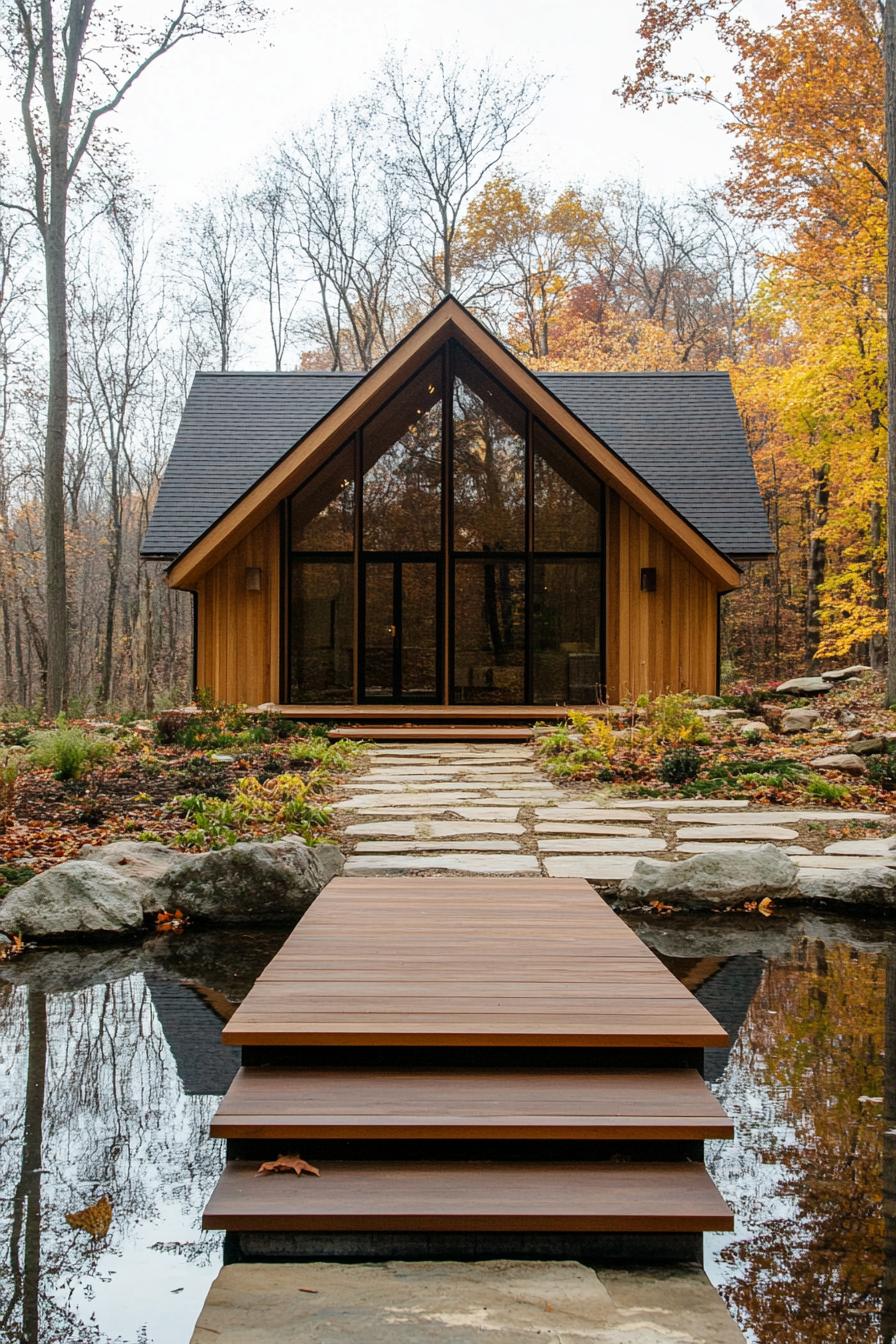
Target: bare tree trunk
[54,453]
[817,560]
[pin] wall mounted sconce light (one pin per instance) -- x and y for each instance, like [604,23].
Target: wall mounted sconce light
[253,579]
[648,580]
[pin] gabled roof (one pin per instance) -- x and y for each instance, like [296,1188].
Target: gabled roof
[661,439]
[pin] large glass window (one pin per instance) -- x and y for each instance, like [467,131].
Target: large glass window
[489,463]
[469,538]
[402,487]
[566,498]
[566,632]
[321,624]
[323,511]
[490,632]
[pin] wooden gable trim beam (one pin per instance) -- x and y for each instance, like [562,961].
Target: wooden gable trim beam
[447,320]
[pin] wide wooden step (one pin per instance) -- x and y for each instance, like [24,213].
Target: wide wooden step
[389,1103]
[465,962]
[470,1196]
[464,732]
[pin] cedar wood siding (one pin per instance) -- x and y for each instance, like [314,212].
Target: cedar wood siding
[237,632]
[654,642]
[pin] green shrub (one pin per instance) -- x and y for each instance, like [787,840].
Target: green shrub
[581,747]
[680,765]
[882,770]
[69,752]
[672,721]
[825,790]
[274,807]
[13,875]
[169,726]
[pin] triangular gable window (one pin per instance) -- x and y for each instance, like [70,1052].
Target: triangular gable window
[449,552]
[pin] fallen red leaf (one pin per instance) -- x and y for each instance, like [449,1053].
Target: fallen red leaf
[286,1164]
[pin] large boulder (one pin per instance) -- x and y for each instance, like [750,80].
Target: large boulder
[250,883]
[842,673]
[145,861]
[76,897]
[871,886]
[804,686]
[725,877]
[798,720]
[844,762]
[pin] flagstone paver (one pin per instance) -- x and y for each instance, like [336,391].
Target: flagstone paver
[493,864]
[744,832]
[419,846]
[592,844]
[488,809]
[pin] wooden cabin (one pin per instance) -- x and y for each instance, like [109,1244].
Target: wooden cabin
[452,530]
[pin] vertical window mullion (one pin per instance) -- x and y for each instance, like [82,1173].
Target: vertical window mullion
[529,596]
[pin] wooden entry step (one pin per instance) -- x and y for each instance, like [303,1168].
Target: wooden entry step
[392,1101]
[469,1196]
[445,715]
[422,732]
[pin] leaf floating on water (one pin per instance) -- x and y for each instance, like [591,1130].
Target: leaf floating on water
[12,948]
[170,922]
[766,907]
[294,1164]
[95,1219]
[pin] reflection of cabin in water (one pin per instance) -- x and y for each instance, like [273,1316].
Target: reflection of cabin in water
[725,986]
[191,1019]
[454,531]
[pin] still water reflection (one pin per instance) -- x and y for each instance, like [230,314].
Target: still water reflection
[110,1067]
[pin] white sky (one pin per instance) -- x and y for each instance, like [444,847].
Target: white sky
[206,113]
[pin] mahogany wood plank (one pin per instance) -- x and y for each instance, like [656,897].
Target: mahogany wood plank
[426,1102]
[471,1196]
[455,961]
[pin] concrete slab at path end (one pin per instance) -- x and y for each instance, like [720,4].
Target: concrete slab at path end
[486,1302]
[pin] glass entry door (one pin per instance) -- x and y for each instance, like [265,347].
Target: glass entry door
[400,630]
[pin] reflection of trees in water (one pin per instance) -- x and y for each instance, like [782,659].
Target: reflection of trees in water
[92,1103]
[804,1177]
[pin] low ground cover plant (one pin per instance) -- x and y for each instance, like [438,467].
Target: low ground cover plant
[68,750]
[235,775]
[684,744]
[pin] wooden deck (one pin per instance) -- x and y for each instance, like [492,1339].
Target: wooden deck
[448,962]
[469,1054]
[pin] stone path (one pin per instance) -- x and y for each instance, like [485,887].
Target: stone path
[488,809]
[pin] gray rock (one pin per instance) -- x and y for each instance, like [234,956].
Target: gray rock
[846,762]
[724,877]
[866,746]
[798,720]
[80,896]
[871,886]
[844,673]
[252,883]
[145,861]
[804,686]
[753,728]
[708,702]
[222,758]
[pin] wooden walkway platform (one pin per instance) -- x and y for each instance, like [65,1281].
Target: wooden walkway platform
[494,1055]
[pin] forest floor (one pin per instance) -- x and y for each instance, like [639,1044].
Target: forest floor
[202,778]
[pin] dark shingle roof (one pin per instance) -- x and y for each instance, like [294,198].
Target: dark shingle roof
[680,431]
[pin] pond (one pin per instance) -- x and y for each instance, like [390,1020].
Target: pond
[111,1066]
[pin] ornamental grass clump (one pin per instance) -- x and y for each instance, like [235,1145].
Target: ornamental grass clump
[69,752]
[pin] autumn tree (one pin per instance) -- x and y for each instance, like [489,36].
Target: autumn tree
[807,114]
[69,66]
